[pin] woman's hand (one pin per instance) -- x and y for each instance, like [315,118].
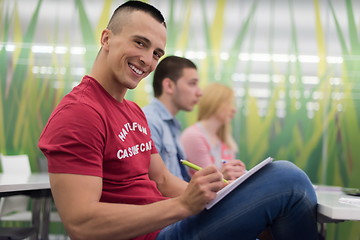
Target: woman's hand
[232,169]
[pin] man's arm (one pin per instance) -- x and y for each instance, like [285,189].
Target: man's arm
[77,200]
[168,184]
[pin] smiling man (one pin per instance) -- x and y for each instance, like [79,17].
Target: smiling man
[109,182]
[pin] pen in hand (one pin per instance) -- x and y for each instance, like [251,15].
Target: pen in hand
[196,167]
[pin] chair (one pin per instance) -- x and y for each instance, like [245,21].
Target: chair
[18,205]
[16,233]
[16,208]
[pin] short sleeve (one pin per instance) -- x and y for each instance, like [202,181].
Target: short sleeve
[73,140]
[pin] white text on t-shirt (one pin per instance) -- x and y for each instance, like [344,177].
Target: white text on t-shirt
[131,127]
[132,151]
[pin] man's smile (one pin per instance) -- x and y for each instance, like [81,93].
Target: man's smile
[135,69]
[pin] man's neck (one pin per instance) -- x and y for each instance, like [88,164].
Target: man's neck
[98,73]
[168,105]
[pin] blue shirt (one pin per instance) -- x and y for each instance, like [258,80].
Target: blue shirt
[165,132]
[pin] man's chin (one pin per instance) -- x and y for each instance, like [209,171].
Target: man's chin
[132,85]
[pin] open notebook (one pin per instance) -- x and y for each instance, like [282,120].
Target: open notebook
[226,190]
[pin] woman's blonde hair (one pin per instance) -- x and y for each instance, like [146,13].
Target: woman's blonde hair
[215,95]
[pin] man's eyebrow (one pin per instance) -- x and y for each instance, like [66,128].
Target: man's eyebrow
[148,42]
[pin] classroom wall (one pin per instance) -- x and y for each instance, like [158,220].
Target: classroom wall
[294,65]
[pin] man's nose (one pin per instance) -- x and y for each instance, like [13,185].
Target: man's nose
[146,58]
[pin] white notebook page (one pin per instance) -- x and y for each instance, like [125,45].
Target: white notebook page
[227,189]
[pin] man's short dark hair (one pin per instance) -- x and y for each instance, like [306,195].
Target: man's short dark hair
[131,6]
[170,67]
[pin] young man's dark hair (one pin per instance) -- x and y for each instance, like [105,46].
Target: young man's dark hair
[130,6]
[170,67]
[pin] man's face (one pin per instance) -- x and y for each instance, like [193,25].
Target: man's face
[134,52]
[187,91]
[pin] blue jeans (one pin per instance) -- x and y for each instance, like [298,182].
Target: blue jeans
[280,196]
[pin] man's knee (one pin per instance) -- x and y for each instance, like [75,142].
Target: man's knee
[289,173]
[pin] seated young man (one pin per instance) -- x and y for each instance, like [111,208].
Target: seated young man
[109,182]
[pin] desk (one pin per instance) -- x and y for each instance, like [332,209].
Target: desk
[37,186]
[332,208]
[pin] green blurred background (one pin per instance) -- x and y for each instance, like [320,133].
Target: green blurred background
[294,65]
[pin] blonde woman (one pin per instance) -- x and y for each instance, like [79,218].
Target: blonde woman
[209,141]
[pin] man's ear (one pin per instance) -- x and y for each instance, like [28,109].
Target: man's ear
[168,86]
[104,41]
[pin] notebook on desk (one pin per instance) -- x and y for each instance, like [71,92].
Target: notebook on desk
[226,190]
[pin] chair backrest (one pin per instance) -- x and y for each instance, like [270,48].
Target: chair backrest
[15,164]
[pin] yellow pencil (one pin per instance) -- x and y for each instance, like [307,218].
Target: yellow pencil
[195,167]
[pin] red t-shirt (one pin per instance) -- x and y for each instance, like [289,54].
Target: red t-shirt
[90,133]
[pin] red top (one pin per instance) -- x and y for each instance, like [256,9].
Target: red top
[91,133]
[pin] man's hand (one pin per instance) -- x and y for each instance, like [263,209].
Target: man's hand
[202,189]
[232,169]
